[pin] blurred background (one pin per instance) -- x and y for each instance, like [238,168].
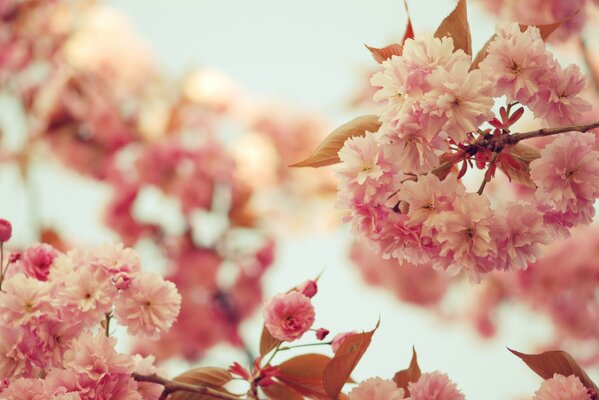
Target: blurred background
[169,125]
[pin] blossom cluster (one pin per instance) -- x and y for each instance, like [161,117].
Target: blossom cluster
[408,202]
[55,314]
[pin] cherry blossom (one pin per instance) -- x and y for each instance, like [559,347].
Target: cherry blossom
[288,316]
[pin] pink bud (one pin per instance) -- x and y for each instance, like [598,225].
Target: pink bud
[5,230]
[321,333]
[122,280]
[308,288]
[14,257]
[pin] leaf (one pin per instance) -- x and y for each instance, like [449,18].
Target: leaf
[278,391]
[555,362]
[395,49]
[455,26]
[304,374]
[515,163]
[411,374]
[212,377]
[267,342]
[385,53]
[547,29]
[326,153]
[346,358]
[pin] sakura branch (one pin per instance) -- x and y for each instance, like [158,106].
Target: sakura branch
[398,183]
[171,386]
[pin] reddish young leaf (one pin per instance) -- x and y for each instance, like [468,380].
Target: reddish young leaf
[326,153]
[409,32]
[214,378]
[455,26]
[278,391]
[304,374]
[267,342]
[411,374]
[395,49]
[556,362]
[515,163]
[346,358]
[386,52]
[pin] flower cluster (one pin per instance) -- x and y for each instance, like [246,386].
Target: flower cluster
[404,196]
[434,385]
[55,311]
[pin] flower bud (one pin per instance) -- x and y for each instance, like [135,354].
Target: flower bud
[5,230]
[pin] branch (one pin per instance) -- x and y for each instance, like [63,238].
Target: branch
[517,137]
[171,386]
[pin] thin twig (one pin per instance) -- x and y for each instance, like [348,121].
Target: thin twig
[517,137]
[171,386]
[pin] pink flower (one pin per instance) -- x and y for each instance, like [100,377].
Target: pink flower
[95,357]
[517,63]
[376,389]
[12,360]
[288,316]
[434,386]
[24,299]
[461,99]
[520,232]
[558,102]
[560,387]
[37,259]
[115,258]
[339,339]
[5,230]
[365,174]
[90,292]
[464,235]
[567,173]
[149,306]
[27,389]
[429,196]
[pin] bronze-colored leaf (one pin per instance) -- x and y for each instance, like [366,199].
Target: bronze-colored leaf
[547,29]
[456,26]
[304,374]
[411,374]
[267,342]
[346,358]
[278,391]
[482,54]
[211,377]
[395,49]
[326,153]
[385,53]
[556,362]
[515,163]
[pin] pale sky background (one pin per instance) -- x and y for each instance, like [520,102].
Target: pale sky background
[309,54]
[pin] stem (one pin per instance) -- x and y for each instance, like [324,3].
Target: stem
[107,323]
[273,354]
[304,345]
[2,269]
[485,178]
[171,386]
[517,137]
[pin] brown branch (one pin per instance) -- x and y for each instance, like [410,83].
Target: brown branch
[517,137]
[171,386]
